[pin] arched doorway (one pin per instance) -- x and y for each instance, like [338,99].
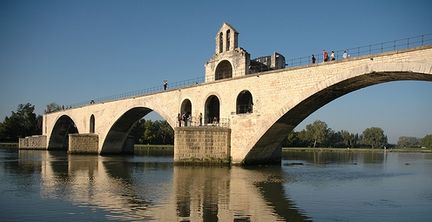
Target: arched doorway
[186,107]
[244,102]
[92,124]
[186,112]
[223,70]
[212,109]
[59,139]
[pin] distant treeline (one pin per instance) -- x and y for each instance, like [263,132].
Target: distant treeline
[24,122]
[319,134]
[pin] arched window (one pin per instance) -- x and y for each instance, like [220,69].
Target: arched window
[223,70]
[244,102]
[228,40]
[92,124]
[220,42]
[212,110]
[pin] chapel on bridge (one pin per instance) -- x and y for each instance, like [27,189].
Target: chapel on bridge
[230,61]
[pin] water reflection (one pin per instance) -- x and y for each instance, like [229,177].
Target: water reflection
[134,188]
[327,186]
[339,157]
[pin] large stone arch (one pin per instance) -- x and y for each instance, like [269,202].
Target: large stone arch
[59,139]
[267,147]
[116,139]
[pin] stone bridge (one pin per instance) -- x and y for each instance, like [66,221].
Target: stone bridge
[259,108]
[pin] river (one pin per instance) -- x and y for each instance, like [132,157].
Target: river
[308,186]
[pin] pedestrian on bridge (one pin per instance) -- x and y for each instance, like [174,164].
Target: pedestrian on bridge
[179,119]
[165,84]
[345,54]
[325,55]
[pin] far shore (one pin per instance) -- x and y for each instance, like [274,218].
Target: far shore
[311,149]
[284,149]
[9,145]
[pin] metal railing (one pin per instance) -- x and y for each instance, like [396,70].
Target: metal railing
[395,45]
[194,121]
[377,48]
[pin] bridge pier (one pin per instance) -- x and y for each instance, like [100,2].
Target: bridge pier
[83,143]
[203,144]
[36,142]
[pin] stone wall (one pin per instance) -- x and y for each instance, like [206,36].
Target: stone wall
[83,143]
[37,142]
[202,145]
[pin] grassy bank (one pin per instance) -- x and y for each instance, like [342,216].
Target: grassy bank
[310,149]
[9,145]
[154,150]
[153,147]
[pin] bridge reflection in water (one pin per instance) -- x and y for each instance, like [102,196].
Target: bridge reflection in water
[146,188]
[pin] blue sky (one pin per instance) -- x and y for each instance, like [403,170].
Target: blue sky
[72,51]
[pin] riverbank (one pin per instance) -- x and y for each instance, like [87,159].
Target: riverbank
[310,149]
[153,147]
[170,148]
[9,145]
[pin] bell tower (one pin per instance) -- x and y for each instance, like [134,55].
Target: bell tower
[229,61]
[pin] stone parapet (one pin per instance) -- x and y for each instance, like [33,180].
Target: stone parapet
[83,143]
[36,142]
[202,145]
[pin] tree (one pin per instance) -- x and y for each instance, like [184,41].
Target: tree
[317,132]
[427,141]
[374,137]
[137,131]
[53,107]
[149,132]
[408,141]
[292,140]
[348,139]
[20,124]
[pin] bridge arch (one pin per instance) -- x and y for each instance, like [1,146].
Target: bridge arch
[212,109]
[224,70]
[267,147]
[117,138]
[59,139]
[244,102]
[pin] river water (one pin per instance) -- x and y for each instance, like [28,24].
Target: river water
[308,186]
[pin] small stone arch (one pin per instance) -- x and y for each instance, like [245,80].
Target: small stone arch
[92,124]
[224,70]
[244,103]
[220,42]
[228,39]
[212,109]
[186,107]
[186,112]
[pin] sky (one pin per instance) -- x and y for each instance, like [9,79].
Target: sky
[72,51]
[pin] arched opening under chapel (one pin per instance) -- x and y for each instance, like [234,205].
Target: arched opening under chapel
[223,70]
